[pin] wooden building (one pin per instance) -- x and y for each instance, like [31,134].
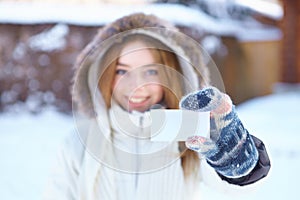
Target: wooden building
[290,63]
[249,69]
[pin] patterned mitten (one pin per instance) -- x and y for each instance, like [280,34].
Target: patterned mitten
[230,149]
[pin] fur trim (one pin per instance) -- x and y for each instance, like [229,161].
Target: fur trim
[177,42]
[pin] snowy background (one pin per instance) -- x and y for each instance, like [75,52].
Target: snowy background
[28,142]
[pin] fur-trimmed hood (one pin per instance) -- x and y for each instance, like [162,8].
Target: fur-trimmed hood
[87,64]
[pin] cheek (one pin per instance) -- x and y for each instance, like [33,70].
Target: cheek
[118,84]
[116,89]
[115,82]
[156,90]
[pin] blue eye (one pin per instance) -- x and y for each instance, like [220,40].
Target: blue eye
[152,72]
[121,71]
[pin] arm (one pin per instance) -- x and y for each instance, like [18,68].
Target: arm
[233,153]
[260,170]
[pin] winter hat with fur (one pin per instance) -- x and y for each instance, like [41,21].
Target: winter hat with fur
[138,23]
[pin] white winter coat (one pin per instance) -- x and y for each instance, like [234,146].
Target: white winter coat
[90,167]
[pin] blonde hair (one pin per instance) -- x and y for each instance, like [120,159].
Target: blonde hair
[172,93]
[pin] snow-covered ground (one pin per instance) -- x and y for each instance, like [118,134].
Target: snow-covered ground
[28,145]
[27,149]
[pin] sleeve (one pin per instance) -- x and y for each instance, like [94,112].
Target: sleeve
[62,182]
[215,184]
[260,171]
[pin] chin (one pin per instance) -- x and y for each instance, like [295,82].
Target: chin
[139,109]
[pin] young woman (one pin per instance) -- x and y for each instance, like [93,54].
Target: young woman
[133,65]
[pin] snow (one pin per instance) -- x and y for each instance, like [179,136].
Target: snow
[27,148]
[270,9]
[50,40]
[28,145]
[98,15]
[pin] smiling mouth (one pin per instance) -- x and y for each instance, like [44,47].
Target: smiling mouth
[136,100]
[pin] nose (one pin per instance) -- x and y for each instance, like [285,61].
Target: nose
[135,80]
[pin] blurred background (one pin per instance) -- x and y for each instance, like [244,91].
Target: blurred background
[254,43]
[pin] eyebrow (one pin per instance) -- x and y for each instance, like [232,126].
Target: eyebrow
[126,65]
[122,64]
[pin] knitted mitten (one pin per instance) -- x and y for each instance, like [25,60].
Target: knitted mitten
[230,149]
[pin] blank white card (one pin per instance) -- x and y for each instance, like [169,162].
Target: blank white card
[177,125]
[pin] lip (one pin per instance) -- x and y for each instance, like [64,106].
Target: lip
[137,102]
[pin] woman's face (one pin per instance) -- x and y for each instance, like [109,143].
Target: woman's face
[136,85]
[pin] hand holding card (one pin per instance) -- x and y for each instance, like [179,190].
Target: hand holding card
[230,150]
